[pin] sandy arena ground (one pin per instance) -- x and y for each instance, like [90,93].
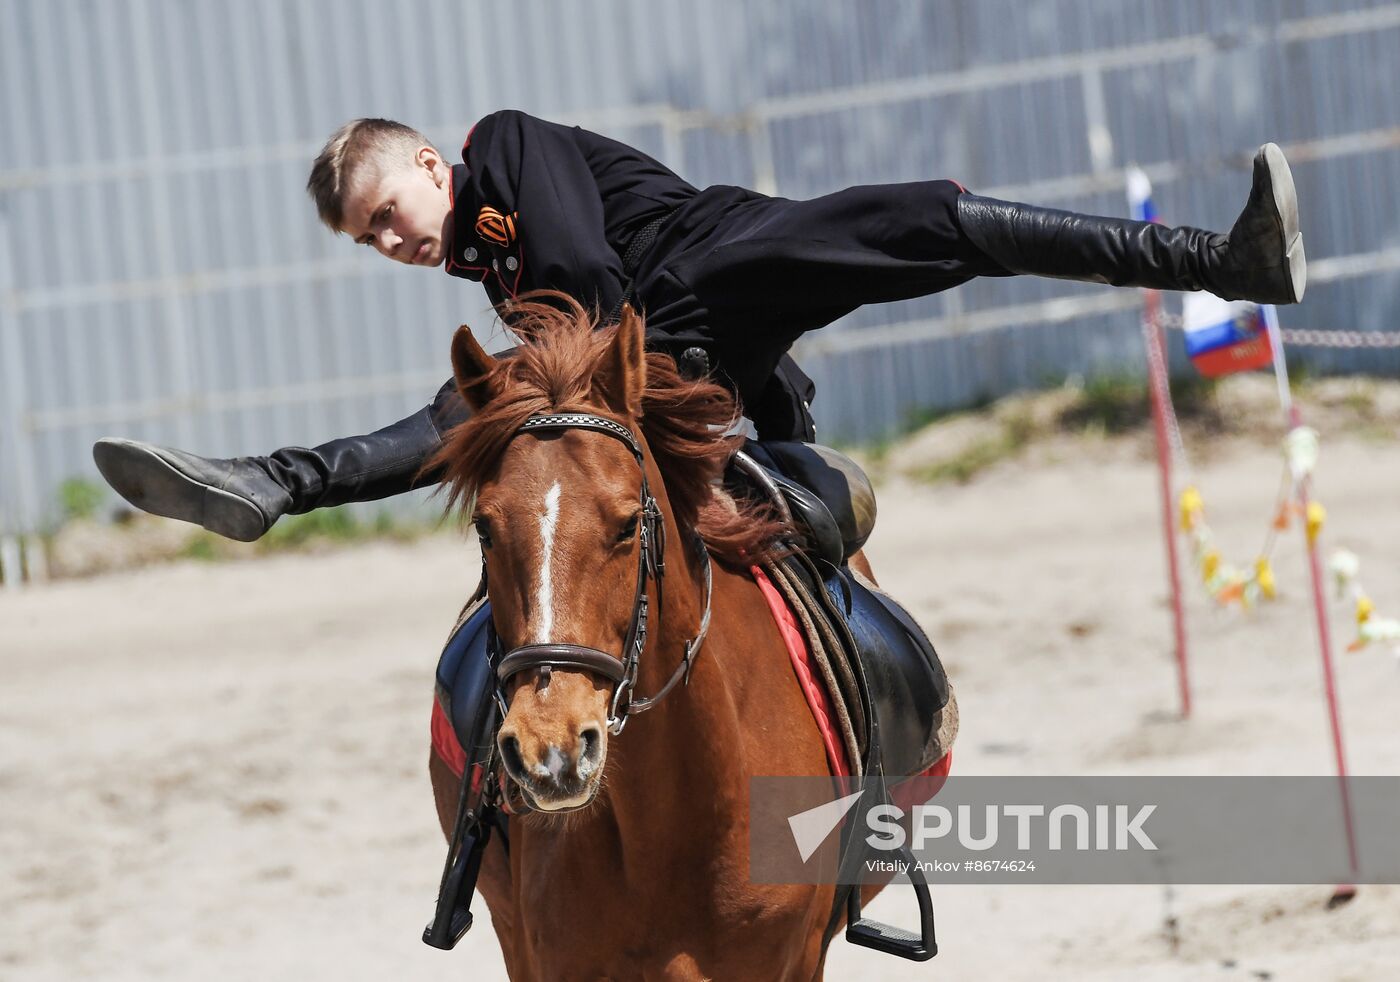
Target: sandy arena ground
[217,771]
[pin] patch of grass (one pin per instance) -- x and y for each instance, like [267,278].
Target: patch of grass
[204,547]
[875,451]
[80,498]
[1115,404]
[916,419]
[1300,374]
[1016,431]
[334,524]
[340,525]
[1377,433]
[1361,401]
[326,526]
[1108,404]
[1194,396]
[967,464]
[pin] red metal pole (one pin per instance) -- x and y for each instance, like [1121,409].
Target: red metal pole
[1324,633]
[1344,891]
[1157,381]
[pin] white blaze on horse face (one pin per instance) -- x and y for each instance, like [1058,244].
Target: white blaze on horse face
[544,600]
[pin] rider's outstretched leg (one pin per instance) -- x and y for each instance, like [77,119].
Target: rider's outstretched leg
[1261,259]
[241,497]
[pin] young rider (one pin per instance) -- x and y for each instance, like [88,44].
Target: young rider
[728,278]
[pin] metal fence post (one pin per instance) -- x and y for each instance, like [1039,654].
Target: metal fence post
[17,493]
[672,140]
[765,170]
[173,306]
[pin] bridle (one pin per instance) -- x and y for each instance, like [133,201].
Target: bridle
[620,670]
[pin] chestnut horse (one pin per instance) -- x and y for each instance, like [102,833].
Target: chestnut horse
[633,862]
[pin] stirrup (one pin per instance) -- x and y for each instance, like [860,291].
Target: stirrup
[470,834]
[893,940]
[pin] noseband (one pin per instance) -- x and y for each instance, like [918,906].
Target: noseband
[620,670]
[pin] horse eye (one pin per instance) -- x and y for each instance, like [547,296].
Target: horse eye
[483,532]
[629,530]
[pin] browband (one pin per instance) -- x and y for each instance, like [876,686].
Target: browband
[584,421]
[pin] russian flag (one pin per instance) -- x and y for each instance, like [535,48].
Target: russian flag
[1140,196]
[1224,336]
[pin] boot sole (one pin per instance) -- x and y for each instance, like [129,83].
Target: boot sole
[1286,206]
[148,481]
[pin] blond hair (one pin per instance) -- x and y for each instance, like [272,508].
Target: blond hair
[360,147]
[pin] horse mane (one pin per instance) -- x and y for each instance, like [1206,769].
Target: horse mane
[686,424]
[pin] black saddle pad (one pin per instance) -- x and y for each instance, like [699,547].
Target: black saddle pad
[466,684]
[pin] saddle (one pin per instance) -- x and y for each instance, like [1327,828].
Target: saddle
[882,673]
[881,669]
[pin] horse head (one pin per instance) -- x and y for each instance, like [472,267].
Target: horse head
[571,535]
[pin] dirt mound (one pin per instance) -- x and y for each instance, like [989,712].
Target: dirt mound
[1110,420]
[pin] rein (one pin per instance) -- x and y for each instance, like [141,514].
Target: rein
[621,670]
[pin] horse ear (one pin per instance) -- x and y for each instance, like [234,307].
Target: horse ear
[623,375]
[471,366]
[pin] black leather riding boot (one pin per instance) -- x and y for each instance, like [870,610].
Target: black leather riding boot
[1260,260]
[241,497]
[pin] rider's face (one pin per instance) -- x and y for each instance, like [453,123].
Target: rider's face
[404,212]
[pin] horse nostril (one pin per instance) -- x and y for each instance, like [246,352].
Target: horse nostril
[510,756]
[592,739]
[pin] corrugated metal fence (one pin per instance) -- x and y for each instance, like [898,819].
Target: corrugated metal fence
[162,275]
